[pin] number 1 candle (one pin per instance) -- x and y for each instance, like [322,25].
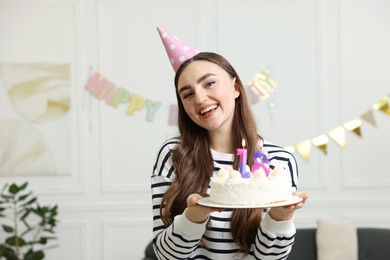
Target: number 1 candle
[243,157]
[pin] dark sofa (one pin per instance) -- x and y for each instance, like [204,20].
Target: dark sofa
[374,244]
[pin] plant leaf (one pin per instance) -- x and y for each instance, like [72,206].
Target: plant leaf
[8,229]
[54,209]
[23,197]
[4,188]
[12,241]
[2,249]
[25,214]
[49,230]
[7,197]
[31,255]
[23,186]
[42,241]
[50,238]
[29,202]
[13,189]
[8,253]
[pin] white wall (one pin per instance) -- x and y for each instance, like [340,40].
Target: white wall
[330,60]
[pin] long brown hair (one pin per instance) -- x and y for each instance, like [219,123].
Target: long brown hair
[193,161]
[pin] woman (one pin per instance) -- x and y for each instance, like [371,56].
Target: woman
[214,116]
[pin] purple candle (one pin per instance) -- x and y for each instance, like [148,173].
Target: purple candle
[243,158]
[261,160]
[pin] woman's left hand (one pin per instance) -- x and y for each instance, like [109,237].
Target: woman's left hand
[284,213]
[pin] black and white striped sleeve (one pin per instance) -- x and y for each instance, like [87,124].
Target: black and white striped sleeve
[180,239]
[274,239]
[279,156]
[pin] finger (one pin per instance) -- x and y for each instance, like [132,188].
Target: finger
[295,206]
[193,199]
[303,195]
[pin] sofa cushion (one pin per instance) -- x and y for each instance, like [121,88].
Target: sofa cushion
[336,240]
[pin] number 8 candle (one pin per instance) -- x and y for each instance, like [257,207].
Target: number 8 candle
[243,157]
[261,160]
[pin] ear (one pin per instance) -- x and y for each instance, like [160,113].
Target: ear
[236,88]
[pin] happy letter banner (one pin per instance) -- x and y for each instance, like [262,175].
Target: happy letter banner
[114,95]
[259,88]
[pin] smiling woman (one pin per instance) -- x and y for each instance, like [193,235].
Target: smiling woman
[214,116]
[208,94]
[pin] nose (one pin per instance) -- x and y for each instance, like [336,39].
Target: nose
[200,95]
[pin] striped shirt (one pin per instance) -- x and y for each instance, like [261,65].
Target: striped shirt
[181,239]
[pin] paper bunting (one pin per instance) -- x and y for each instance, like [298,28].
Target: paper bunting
[259,88]
[354,126]
[369,117]
[338,134]
[304,149]
[115,95]
[103,89]
[173,114]
[383,105]
[290,149]
[321,142]
[261,85]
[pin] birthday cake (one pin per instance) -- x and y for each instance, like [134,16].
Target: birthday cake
[231,188]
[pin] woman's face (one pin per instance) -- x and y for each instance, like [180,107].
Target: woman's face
[208,94]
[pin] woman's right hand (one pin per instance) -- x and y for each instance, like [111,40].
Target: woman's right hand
[195,212]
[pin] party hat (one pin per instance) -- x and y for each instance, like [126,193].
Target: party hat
[178,51]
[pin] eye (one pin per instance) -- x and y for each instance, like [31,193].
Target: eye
[186,95]
[210,83]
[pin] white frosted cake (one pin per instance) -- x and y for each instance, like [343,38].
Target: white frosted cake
[229,188]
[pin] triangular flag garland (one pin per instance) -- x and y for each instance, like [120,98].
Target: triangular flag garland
[354,126]
[259,88]
[321,142]
[383,105]
[338,134]
[369,117]
[304,149]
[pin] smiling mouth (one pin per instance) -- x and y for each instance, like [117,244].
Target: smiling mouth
[208,109]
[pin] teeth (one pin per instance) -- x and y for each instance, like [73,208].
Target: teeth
[207,109]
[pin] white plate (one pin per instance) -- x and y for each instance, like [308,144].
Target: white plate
[206,202]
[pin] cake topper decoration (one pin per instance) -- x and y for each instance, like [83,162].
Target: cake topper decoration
[178,51]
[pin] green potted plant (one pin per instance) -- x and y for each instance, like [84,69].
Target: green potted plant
[27,226]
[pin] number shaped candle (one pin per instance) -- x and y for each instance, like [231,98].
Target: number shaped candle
[243,158]
[261,160]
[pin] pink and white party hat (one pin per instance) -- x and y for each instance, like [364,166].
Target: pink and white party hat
[178,51]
